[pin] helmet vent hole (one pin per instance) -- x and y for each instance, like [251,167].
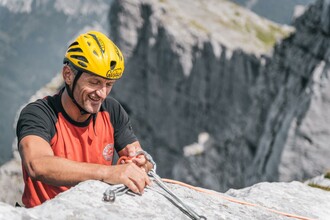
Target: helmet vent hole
[82,64]
[74,44]
[75,50]
[113,64]
[95,53]
[79,58]
[89,43]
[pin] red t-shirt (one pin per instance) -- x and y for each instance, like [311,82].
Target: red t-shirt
[92,141]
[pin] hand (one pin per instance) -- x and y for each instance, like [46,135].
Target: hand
[128,174]
[130,151]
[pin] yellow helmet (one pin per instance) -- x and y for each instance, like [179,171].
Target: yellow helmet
[95,53]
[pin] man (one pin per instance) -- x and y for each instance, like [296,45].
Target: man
[70,137]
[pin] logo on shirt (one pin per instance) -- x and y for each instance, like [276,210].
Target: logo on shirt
[108,152]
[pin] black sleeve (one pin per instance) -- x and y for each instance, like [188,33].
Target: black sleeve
[124,133]
[36,118]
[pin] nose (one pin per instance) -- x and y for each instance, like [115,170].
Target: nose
[102,92]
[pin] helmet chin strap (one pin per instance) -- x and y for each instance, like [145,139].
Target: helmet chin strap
[70,93]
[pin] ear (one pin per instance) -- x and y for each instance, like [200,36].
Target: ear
[67,74]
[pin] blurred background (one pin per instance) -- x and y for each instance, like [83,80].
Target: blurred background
[34,35]
[33,39]
[230,92]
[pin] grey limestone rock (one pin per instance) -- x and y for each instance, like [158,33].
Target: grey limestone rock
[191,71]
[85,202]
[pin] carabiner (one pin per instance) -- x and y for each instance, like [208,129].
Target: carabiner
[112,192]
[148,158]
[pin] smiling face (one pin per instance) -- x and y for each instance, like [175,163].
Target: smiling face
[91,91]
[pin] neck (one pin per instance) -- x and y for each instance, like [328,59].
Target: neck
[71,109]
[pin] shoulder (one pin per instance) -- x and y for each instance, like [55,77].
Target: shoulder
[45,106]
[45,110]
[115,109]
[111,102]
[111,105]
[38,118]
[37,106]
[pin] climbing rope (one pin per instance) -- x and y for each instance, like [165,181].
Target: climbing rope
[110,194]
[214,193]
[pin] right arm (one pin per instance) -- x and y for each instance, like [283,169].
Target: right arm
[41,164]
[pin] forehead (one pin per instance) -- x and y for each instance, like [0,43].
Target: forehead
[99,78]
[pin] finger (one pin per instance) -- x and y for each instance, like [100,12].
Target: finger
[139,183]
[128,161]
[140,161]
[148,181]
[124,159]
[135,178]
[128,176]
[132,186]
[141,180]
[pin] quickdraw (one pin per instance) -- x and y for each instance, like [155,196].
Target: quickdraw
[113,191]
[110,194]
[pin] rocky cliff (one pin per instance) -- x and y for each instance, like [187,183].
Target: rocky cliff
[194,67]
[265,110]
[295,138]
[278,201]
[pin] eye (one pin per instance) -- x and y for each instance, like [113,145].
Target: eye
[109,84]
[94,82]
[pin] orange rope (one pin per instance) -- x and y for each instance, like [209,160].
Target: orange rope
[125,158]
[232,199]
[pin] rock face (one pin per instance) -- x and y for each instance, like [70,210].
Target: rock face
[187,74]
[295,136]
[85,202]
[11,181]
